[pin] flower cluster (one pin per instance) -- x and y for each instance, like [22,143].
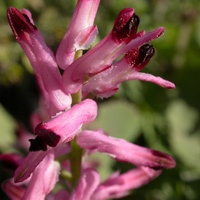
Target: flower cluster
[66,104]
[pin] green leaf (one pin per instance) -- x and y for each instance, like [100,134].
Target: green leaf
[119,119]
[183,136]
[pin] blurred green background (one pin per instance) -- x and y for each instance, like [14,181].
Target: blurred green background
[166,120]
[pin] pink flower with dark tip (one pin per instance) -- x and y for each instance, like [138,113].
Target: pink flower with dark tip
[42,59]
[57,131]
[124,151]
[61,140]
[97,72]
[106,83]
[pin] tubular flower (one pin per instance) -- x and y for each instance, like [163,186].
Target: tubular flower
[80,33]
[105,84]
[97,62]
[60,139]
[59,130]
[42,60]
[122,150]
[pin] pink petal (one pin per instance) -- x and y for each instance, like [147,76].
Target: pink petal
[43,179]
[119,186]
[85,38]
[83,18]
[65,126]
[143,39]
[106,83]
[94,61]
[28,13]
[124,151]
[150,78]
[28,165]
[88,183]
[68,123]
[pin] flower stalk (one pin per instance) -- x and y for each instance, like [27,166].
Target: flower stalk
[75,161]
[60,141]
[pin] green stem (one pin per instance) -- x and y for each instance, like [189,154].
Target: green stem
[76,98]
[75,161]
[76,151]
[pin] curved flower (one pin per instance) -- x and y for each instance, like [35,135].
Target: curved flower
[106,83]
[116,186]
[149,164]
[59,130]
[124,151]
[80,34]
[43,179]
[97,63]
[41,59]
[88,183]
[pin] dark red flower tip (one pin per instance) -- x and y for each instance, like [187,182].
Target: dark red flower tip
[19,22]
[138,59]
[44,138]
[163,160]
[125,26]
[145,53]
[37,144]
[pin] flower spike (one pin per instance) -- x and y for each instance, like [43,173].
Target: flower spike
[60,142]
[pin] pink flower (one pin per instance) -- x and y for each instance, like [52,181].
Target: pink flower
[59,130]
[96,71]
[116,186]
[42,60]
[149,164]
[106,83]
[43,179]
[60,140]
[124,151]
[80,33]
[88,183]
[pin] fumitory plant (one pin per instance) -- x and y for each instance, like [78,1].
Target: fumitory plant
[69,83]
